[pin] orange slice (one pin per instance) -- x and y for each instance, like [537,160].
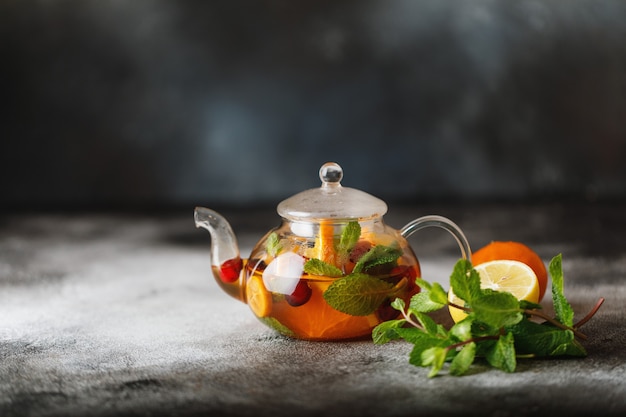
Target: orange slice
[259,299]
[324,248]
[502,275]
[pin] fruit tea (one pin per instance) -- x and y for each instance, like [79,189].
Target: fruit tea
[338,284]
[296,307]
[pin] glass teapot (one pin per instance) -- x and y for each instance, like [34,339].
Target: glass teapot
[330,270]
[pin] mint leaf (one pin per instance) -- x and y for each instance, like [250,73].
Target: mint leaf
[272,245]
[419,338]
[386,331]
[438,294]
[573,348]
[502,354]
[277,326]
[321,268]
[481,329]
[435,357]
[378,255]
[545,340]
[422,302]
[430,326]
[398,304]
[496,309]
[357,294]
[428,350]
[462,330]
[349,236]
[434,296]
[465,281]
[463,359]
[423,284]
[562,308]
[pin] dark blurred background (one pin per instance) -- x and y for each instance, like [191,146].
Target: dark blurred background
[172,103]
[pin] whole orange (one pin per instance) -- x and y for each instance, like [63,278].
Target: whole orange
[514,251]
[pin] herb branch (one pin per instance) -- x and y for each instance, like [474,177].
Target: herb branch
[358,292]
[498,327]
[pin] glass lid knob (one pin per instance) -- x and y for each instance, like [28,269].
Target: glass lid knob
[331,174]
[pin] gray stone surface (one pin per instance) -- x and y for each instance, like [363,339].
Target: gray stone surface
[116,314]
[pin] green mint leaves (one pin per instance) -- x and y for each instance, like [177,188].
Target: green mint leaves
[377,256]
[498,326]
[358,293]
[562,308]
[349,237]
[321,268]
[273,245]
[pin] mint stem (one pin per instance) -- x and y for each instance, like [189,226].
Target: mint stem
[475,340]
[466,309]
[589,315]
[411,321]
[555,322]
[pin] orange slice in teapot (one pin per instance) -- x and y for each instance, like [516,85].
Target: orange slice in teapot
[259,299]
[325,243]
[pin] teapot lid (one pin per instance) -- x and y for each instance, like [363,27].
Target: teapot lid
[331,200]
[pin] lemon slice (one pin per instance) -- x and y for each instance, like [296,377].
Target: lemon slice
[259,299]
[502,275]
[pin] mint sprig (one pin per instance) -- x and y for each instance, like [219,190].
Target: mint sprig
[360,292]
[377,256]
[562,308]
[498,327]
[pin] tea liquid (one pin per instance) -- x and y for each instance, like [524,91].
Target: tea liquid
[305,314]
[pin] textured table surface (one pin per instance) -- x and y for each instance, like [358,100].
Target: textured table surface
[117,314]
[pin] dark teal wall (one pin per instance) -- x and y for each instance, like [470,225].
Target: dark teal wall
[178,102]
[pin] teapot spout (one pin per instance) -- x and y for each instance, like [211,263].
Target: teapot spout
[226,263]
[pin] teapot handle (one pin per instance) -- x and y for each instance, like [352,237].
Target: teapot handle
[444,223]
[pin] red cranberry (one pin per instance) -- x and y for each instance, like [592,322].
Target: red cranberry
[229,271]
[360,249]
[386,312]
[300,295]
